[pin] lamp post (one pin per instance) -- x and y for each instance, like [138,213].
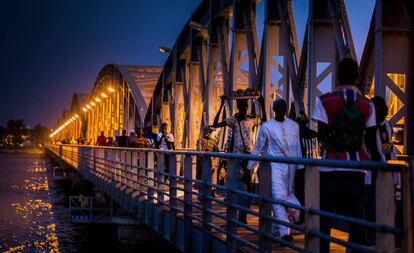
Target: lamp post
[165,50]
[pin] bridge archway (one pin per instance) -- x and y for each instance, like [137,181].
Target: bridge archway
[119,98]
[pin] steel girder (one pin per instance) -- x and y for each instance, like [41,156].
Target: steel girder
[279,55]
[327,40]
[391,66]
[224,55]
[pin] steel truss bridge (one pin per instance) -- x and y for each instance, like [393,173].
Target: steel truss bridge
[217,52]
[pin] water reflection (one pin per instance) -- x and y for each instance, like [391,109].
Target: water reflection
[30,226]
[33,216]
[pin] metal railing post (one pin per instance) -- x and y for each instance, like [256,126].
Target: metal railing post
[60,151]
[72,161]
[128,168]
[126,196]
[104,177]
[115,168]
[151,184]
[141,188]
[385,210]
[94,161]
[265,207]
[188,200]
[160,191]
[231,197]
[135,163]
[206,167]
[407,245]
[172,160]
[312,201]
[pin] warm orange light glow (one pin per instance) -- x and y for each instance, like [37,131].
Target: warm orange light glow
[92,103]
[110,89]
[104,95]
[84,109]
[76,116]
[98,100]
[88,106]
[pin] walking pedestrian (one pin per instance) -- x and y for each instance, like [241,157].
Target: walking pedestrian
[279,136]
[101,140]
[165,141]
[208,144]
[388,152]
[140,140]
[150,136]
[111,142]
[345,118]
[242,126]
[131,138]
[122,141]
[310,149]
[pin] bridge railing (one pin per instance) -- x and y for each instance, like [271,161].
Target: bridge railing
[140,176]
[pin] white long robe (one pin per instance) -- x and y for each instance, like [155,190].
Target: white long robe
[279,139]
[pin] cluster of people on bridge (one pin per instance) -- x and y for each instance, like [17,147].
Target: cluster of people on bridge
[141,138]
[349,127]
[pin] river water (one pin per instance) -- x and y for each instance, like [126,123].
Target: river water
[33,216]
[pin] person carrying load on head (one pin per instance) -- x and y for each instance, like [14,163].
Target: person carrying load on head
[242,125]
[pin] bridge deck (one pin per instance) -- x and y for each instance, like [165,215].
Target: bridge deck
[253,221]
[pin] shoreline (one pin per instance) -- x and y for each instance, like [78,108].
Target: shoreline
[31,151]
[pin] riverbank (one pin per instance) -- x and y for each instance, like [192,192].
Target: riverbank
[29,151]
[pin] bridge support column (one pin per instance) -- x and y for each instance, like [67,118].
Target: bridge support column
[280,54]
[134,234]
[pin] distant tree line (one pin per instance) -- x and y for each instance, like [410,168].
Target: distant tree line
[17,134]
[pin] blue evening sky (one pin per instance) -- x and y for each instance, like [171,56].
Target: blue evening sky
[50,49]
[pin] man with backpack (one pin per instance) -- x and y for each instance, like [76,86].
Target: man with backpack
[346,121]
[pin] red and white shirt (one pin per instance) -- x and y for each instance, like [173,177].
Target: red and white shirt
[328,105]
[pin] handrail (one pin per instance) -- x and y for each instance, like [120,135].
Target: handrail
[347,164]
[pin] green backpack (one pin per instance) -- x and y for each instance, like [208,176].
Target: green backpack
[347,130]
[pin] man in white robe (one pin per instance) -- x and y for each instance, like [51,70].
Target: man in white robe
[279,136]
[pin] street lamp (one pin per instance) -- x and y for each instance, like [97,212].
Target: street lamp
[196,26]
[165,50]
[203,29]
